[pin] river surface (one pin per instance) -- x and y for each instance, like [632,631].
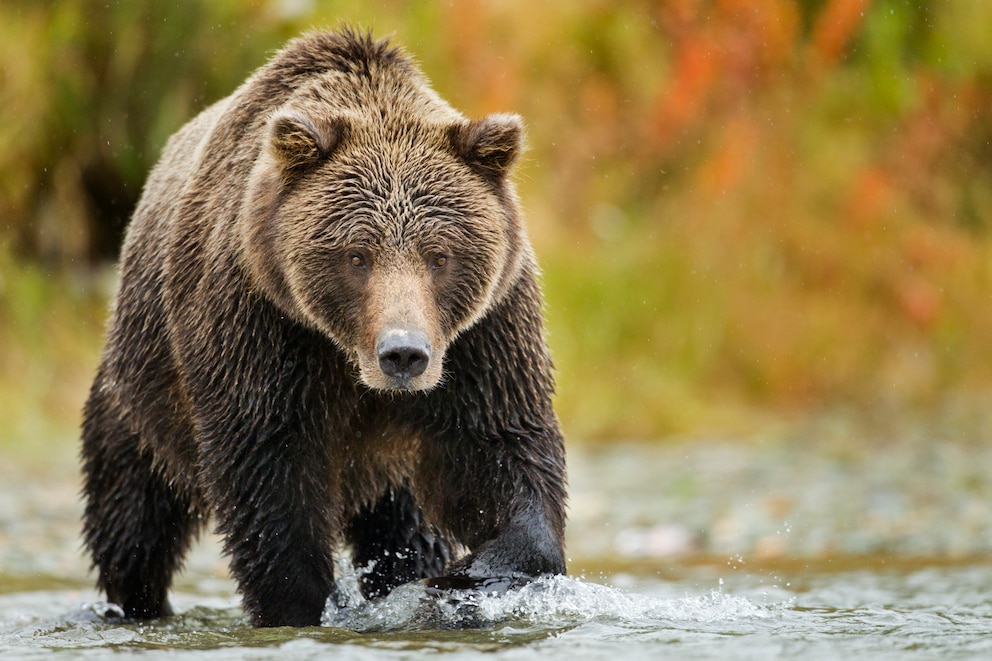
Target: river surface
[689,550]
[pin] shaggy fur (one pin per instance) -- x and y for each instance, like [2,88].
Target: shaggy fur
[328,334]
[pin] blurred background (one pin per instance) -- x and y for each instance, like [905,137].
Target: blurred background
[752,215]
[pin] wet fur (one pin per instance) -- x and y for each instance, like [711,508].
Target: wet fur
[236,383]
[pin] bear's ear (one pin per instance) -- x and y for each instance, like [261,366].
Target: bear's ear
[299,143]
[490,144]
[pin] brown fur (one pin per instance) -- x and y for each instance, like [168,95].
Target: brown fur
[328,332]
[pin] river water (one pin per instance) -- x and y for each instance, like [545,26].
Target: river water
[689,550]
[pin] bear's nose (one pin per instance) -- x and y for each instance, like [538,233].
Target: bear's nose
[403,354]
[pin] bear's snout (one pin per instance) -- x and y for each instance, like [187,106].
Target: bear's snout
[403,354]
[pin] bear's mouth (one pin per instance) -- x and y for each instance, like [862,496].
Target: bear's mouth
[376,380]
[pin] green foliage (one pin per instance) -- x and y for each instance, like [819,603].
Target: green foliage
[50,334]
[92,91]
[740,207]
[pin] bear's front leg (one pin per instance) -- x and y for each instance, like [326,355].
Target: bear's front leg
[276,535]
[524,550]
[260,400]
[506,501]
[267,477]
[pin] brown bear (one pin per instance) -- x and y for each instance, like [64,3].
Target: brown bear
[328,335]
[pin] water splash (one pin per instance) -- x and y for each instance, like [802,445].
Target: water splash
[556,602]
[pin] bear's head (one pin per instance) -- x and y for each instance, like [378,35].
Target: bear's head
[389,231]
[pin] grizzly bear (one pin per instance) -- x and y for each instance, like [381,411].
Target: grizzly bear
[328,336]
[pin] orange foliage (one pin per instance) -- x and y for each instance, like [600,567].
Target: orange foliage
[721,53]
[729,163]
[479,66]
[695,69]
[870,197]
[836,24]
[919,300]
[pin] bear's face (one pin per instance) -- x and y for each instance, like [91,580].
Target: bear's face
[389,241]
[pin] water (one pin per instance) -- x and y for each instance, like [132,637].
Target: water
[927,613]
[738,552]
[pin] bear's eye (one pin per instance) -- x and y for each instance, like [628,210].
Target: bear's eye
[357,261]
[439,262]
